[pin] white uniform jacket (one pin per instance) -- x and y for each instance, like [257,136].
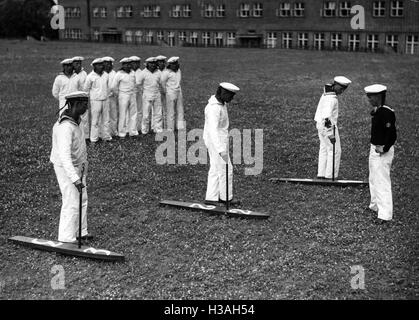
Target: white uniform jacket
[111,76]
[171,81]
[64,85]
[97,86]
[123,82]
[68,147]
[216,125]
[80,79]
[328,107]
[150,82]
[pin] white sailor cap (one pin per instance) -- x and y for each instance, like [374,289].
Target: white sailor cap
[229,86]
[77,95]
[125,60]
[134,58]
[173,59]
[151,59]
[375,88]
[78,58]
[98,60]
[342,81]
[67,61]
[109,59]
[160,57]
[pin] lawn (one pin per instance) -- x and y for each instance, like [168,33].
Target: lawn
[304,251]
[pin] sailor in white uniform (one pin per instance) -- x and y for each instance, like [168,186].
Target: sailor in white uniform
[64,83]
[123,86]
[161,67]
[112,100]
[150,81]
[96,86]
[171,79]
[136,64]
[383,137]
[326,118]
[69,157]
[80,79]
[216,140]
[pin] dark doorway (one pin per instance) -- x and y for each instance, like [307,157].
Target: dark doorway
[111,36]
[250,41]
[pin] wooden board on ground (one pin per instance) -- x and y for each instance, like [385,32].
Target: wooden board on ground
[324,182]
[220,210]
[68,248]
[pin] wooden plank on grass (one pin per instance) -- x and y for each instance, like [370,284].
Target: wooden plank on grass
[220,210]
[323,182]
[67,248]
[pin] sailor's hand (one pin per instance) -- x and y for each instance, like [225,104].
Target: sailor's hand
[332,139]
[327,123]
[79,185]
[224,156]
[379,149]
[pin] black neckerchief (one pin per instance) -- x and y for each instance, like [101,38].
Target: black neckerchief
[65,116]
[220,101]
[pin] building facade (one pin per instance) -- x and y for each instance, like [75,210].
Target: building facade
[390,25]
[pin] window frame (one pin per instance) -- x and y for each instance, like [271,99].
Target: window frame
[347,9]
[305,39]
[220,11]
[283,8]
[381,10]
[399,10]
[287,37]
[257,7]
[271,39]
[354,42]
[187,10]
[319,40]
[337,41]
[326,9]
[245,7]
[300,9]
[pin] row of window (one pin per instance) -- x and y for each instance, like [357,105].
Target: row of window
[207,38]
[286,9]
[330,9]
[336,41]
[285,40]
[75,34]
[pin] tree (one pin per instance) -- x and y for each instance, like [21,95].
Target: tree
[20,18]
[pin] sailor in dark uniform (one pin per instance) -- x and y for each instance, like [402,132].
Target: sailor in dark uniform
[383,137]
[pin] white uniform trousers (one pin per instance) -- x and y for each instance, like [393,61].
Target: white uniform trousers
[174,104]
[85,121]
[69,216]
[127,122]
[100,120]
[113,115]
[139,98]
[163,110]
[216,186]
[325,165]
[154,105]
[380,183]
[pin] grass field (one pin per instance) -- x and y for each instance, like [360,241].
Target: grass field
[304,251]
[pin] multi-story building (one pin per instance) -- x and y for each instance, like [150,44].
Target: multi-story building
[305,24]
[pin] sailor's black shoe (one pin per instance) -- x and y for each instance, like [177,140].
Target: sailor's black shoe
[233,203]
[212,203]
[86,237]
